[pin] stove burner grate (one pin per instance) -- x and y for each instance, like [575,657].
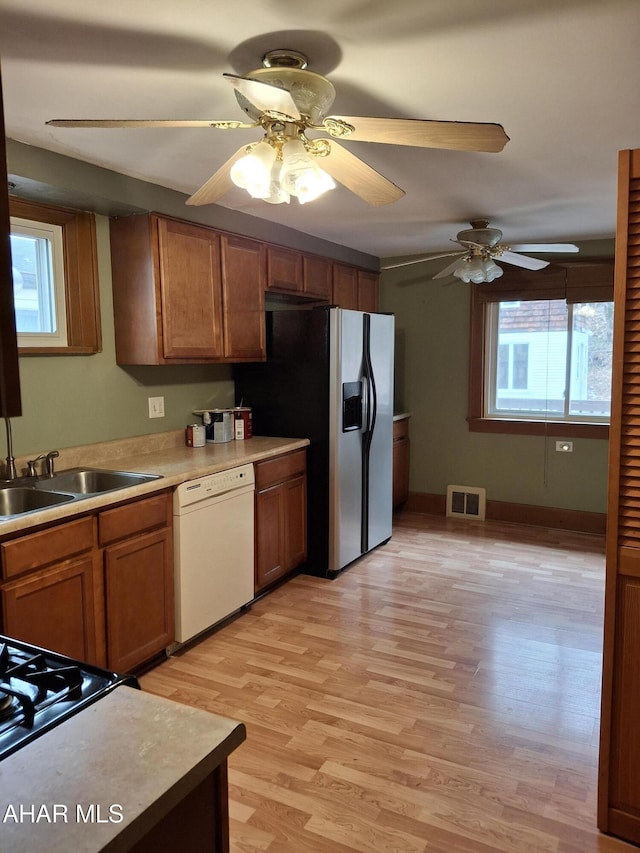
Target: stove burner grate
[31,683]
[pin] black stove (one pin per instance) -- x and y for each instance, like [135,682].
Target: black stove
[40,689]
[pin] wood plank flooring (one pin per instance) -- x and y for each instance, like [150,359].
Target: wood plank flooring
[441,695]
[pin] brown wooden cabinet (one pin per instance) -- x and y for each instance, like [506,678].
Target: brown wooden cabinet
[345,286]
[281,517]
[184,293]
[317,277]
[48,594]
[98,588]
[284,270]
[367,291]
[138,580]
[243,286]
[355,288]
[619,783]
[400,461]
[308,277]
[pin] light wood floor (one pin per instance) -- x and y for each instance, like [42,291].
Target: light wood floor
[440,695]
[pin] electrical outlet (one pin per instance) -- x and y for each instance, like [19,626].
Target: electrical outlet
[564,446]
[156,407]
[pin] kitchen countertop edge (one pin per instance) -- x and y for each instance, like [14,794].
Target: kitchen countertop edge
[175,464]
[127,734]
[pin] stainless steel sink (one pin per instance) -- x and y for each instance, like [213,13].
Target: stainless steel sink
[92,481]
[15,500]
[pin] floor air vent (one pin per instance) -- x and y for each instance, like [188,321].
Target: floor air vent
[466,502]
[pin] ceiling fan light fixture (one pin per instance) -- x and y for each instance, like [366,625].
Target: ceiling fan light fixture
[253,171]
[301,176]
[477,270]
[277,193]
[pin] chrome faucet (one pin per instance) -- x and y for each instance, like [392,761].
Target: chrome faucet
[48,464]
[31,465]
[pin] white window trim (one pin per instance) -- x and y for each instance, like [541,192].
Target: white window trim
[54,234]
[491,366]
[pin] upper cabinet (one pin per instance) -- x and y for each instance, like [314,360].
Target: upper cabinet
[290,272]
[355,288]
[367,291]
[284,270]
[184,293]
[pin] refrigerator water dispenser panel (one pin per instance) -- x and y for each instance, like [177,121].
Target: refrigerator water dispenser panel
[351,406]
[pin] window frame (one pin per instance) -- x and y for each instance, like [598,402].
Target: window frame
[81,293]
[582,281]
[50,287]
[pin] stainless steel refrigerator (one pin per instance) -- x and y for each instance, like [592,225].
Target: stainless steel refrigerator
[329,377]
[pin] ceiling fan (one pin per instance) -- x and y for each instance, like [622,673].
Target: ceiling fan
[481,247]
[287,102]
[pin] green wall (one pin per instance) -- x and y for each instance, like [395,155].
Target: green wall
[74,400]
[432,364]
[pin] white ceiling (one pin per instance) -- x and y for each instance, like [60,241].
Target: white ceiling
[561,76]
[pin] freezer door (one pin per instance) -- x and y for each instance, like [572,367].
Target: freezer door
[345,436]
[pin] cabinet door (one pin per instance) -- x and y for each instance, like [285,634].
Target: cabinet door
[295,522]
[400,461]
[317,277]
[284,270]
[138,599]
[367,291]
[400,471]
[54,608]
[270,557]
[189,260]
[345,286]
[243,286]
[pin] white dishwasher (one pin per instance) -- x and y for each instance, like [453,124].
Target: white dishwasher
[213,549]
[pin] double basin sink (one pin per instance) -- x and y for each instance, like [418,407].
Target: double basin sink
[31,494]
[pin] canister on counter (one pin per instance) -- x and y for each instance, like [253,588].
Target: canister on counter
[195,435]
[243,422]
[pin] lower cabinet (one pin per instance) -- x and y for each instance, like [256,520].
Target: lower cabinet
[138,580]
[400,462]
[281,517]
[98,588]
[49,593]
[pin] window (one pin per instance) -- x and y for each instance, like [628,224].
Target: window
[541,352]
[54,264]
[38,283]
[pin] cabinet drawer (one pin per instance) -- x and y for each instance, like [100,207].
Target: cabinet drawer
[49,546]
[281,468]
[133,518]
[401,429]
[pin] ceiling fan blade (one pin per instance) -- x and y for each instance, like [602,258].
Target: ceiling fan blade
[447,270]
[419,260]
[545,247]
[127,122]
[455,135]
[522,261]
[358,177]
[218,184]
[263,96]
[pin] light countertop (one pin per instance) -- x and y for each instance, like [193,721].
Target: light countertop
[166,455]
[133,754]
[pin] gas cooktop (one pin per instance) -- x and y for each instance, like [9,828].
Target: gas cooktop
[39,689]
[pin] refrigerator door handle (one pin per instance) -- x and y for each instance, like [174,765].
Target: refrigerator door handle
[367,435]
